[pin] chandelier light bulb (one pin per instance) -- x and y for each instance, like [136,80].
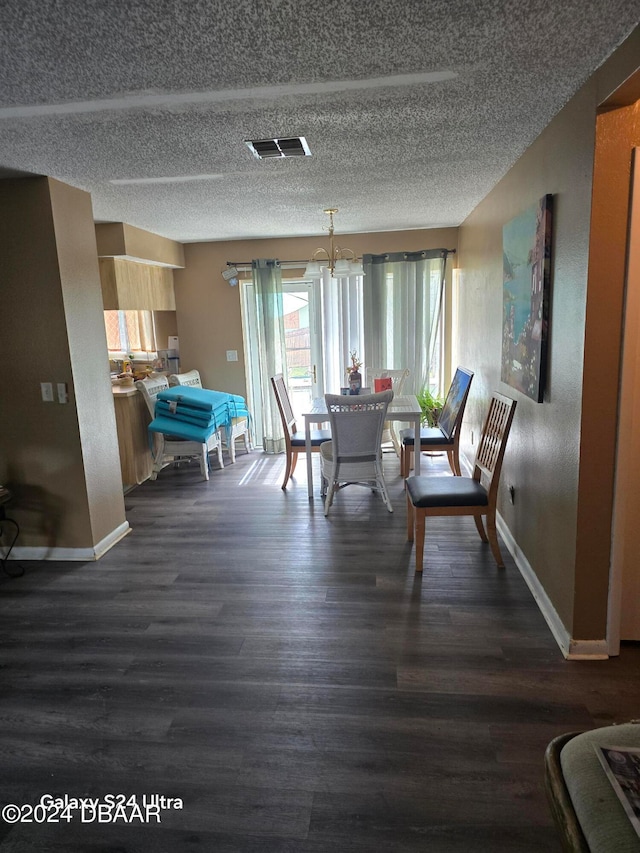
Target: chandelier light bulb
[333,258]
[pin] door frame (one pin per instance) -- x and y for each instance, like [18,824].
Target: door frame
[315,330]
[251,356]
[622,584]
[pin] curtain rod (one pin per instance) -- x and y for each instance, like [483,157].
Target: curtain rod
[246,265]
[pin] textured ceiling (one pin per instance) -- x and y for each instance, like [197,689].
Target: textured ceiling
[413,109]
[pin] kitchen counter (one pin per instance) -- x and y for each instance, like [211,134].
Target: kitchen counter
[132,419]
[124,391]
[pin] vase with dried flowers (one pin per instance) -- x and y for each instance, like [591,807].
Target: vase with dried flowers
[355,377]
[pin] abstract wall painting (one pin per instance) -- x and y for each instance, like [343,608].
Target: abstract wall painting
[526,254]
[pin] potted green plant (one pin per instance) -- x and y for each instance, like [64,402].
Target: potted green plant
[431,405]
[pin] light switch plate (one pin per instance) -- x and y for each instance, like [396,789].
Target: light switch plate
[63,396]
[46,390]
[232,355]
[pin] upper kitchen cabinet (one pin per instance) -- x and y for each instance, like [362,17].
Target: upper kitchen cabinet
[136,268]
[132,286]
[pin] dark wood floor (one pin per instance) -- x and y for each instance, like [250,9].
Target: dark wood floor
[289,678]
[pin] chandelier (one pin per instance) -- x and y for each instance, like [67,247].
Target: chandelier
[340,261]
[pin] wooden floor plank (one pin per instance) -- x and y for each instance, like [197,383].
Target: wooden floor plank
[290,678]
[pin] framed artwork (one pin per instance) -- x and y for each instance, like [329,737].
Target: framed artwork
[526,256]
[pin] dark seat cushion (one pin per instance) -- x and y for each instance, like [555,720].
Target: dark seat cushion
[429,436]
[317,437]
[446,491]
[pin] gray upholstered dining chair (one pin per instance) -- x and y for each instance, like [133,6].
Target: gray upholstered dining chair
[354,454]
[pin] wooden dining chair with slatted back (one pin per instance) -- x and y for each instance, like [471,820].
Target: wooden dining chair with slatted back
[294,441]
[476,495]
[445,436]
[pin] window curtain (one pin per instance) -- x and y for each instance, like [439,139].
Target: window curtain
[144,328]
[402,307]
[342,326]
[267,281]
[130,331]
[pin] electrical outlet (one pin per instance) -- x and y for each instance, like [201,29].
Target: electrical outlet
[512,494]
[232,355]
[63,395]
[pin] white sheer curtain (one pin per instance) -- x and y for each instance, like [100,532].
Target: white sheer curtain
[402,307]
[342,326]
[267,281]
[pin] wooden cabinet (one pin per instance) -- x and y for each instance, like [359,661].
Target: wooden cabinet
[132,418]
[130,286]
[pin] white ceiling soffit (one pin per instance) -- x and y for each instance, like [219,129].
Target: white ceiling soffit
[412,109]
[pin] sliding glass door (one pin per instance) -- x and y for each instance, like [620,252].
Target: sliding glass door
[303,343]
[303,346]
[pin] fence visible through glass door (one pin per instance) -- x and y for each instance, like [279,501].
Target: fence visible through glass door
[302,345]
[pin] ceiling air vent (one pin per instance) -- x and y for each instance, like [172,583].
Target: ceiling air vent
[292,146]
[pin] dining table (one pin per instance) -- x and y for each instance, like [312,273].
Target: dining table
[405,408]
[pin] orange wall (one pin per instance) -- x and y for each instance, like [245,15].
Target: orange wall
[626,547]
[617,132]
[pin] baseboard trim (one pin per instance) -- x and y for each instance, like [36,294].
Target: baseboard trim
[82,555]
[588,650]
[111,539]
[570,648]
